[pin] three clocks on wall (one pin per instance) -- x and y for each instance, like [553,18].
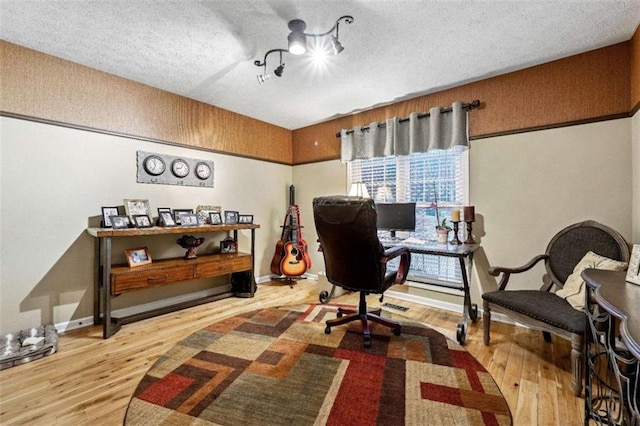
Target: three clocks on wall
[172,170]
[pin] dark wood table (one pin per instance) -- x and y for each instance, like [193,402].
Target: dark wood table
[612,361]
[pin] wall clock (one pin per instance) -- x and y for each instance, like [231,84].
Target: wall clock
[154,165]
[180,168]
[203,171]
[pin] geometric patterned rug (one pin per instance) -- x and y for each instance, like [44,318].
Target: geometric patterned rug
[276,366]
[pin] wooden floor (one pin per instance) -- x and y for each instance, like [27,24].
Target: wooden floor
[90,380]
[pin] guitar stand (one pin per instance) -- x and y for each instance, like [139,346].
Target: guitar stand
[290,280]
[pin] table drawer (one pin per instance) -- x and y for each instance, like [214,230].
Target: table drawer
[135,280]
[224,266]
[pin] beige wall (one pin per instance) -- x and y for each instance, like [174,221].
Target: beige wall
[53,179]
[525,187]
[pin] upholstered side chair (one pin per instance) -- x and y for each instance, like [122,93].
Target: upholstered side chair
[354,258]
[543,309]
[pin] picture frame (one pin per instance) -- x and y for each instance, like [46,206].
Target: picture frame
[245,218]
[230,217]
[203,212]
[107,212]
[142,221]
[137,256]
[633,272]
[120,222]
[188,219]
[135,207]
[215,218]
[163,209]
[228,245]
[178,212]
[167,219]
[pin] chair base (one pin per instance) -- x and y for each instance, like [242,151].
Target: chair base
[364,316]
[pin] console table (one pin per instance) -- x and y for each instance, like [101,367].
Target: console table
[612,352]
[464,254]
[113,280]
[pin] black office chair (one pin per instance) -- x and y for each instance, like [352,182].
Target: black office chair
[354,258]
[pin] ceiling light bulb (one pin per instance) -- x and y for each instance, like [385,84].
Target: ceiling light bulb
[297,43]
[337,46]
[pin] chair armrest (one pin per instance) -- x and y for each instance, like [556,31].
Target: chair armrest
[506,272]
[405,261]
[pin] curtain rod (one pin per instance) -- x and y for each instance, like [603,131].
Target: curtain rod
[467,107]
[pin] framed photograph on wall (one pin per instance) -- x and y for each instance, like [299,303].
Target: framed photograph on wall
[136,207]
[137,256]
[107,212]
[119,222]
[230,217]
[142,221]
[245,218]
[633,272]
[215,218]
[166,219]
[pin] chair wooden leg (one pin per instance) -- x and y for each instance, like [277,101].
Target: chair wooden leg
[486,322]
[577,360]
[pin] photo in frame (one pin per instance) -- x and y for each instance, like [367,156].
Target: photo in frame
[136,207]
[204,214]
[633,272]
[107,212]
[228,245]
[230,217]
[137,256]
[178,212]
[215,218]
[119,222]
[166,219]
[142,221]
[163,209]
[245,218]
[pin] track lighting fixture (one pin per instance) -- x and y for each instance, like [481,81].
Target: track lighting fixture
[297,44]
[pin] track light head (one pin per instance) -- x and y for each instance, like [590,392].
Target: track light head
[337,46]
[278,71]
[263,77]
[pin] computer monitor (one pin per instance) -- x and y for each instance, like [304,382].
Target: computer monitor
[396,217]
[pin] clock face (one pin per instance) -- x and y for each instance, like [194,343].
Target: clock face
[154,165]
[203,171]
[180,168]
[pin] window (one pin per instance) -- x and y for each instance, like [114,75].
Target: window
[420,178]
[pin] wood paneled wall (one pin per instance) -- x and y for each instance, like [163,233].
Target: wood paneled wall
[635,71]
[586,87]
[52,89]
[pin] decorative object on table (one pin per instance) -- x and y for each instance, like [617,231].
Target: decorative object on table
[434,381]
[442,231]
[27,345]
[204,214]
[137,256]
[142,221]
[107,212]
[134,207]
[215,218]
[190,243]
[171,170]
[455,240]
[228,245]
[178,212]
[469,213]
[166,219]
[119,222]
[633,273]
[230,217]
[245,218]
[188,219]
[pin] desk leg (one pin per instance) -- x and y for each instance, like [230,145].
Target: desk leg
[97,280]
[107,330]
[469,311]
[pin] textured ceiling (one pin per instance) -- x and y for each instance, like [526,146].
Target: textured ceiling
[394,50]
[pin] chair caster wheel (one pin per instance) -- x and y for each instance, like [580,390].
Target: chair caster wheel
[461,334]
[324,297]
[339,314]
[327,330]
[396,331]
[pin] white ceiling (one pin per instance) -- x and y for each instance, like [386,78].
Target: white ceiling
[394,50]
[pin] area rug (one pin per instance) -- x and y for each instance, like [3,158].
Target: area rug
[277,366]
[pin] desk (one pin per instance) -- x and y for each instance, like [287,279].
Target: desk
[464,254]
[612,388]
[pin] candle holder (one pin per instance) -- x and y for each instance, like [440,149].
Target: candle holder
[455,240]
[469,239]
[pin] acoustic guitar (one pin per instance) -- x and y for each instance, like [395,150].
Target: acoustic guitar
[294,262]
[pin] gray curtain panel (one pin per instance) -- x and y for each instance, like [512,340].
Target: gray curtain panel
[436,131]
